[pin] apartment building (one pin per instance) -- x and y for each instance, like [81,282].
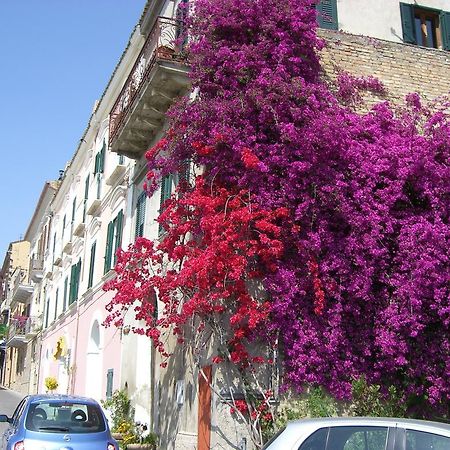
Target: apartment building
[99,205]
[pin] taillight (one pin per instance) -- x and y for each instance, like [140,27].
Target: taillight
[110,447]
[20,446]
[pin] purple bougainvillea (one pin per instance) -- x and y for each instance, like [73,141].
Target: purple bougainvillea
[363,285]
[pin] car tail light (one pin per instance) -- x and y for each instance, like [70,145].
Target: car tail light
[20,446]
[110,447]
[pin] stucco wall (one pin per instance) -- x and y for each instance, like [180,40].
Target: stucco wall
[403,68]
[380,19]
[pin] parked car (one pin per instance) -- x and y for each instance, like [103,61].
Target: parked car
[54,422]
[361,433]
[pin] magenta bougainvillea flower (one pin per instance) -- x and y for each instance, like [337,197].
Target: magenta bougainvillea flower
[361,287]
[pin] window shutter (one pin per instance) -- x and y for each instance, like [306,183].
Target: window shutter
[78,274]
[102,157]
[109,383]
[327,14]
[166,190]
[72,284]
[445,29]
[109,248]
[407,15]
[118,237]
[66,284]
[91,265]
[140,214]
[56,303]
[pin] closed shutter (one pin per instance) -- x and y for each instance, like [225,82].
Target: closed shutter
[445,29]
[56,304]
[86,196]
[166,191]
[72,284]
[109,246]
[91,265]
[109,383]
[66,284]
[140,215]
[327,14]
[407,15]
[118,236]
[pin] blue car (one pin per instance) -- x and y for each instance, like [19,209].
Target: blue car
[57,422]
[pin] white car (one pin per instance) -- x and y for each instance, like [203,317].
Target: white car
[361,433]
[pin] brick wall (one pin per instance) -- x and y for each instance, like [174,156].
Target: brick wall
[403,68]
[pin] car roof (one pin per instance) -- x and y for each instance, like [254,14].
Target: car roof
[416,424]
[60,398]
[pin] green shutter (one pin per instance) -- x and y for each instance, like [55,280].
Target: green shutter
[91,265]
[140,215]
[56,304]
[72,284]
[109,383]
[77,278]
[445,29]
[102,157]
[74,208]
[86,196]
[118,236]
[66,284]
[327,14]
[407,15]
[109,246]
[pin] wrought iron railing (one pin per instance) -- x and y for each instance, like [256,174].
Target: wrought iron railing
[159,45]
[37,263]
[24,325]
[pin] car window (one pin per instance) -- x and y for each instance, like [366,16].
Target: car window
[64,417]
[357,438]
[420,440]
[18,412]
[317,440]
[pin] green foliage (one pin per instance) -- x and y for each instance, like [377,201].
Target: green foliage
[369,400]
[119,406]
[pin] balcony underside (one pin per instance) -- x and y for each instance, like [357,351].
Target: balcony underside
[145,118]
[18,340]
[22,293]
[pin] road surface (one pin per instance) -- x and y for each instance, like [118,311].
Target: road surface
[8,402]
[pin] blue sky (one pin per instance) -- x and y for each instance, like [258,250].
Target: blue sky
[56,59]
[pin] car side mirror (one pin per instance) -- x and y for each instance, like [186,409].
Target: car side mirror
[5,418]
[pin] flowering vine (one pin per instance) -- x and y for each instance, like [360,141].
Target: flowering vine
[340,218]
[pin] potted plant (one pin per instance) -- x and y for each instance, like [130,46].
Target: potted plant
[51,383]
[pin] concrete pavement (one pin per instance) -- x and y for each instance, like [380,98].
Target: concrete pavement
[8,402]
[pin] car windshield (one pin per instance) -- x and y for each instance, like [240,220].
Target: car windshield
[64,417]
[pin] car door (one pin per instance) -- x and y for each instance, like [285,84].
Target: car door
[12,428]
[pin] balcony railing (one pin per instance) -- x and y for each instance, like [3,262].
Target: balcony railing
[160,46]
[37,268]
[22,290]
[22,329]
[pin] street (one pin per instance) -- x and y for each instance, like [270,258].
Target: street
[8,402]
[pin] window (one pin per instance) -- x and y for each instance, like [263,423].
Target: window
[66,285]
[91,265]
[359,438]
[113,240]
[318,440]
[327,14]
[166,192]
[47,307]
[419,440]
[74,207]
[425,26]
[74,282]
[140,214]
[56,304]
[109,383]
[86,196]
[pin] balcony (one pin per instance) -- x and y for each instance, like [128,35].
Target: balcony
[158,76]
[33,327]
[17,333]
[79,229]
[22,289]
[116,174]
[37,269]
